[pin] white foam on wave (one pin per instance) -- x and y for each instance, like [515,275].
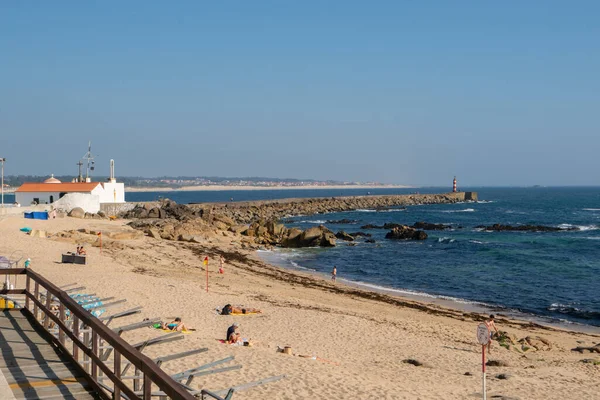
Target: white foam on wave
[459,211]
[317,221]
[579,227]
[298,266]
[413,293]
[264,251]
[367,210]
[475,241]
[591,209]
[485,201]
[446,240]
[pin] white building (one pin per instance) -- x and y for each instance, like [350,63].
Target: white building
[52,189]
[87,195]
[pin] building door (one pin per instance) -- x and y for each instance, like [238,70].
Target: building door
[51,199]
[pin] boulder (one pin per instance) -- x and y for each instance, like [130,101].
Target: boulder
[154,233]
[403,232]
[430,227]
[185,238]
[312,237]
[535,342]
[77,212]
[344,236]
[238,228]
[124,235]
[525,228]
[358,234]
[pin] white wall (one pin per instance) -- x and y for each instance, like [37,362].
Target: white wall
[88,202]
[25,198]
[112,193]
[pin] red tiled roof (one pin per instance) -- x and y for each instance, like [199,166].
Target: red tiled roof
[58,187]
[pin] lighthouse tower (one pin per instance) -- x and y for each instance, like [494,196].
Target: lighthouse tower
[454,185]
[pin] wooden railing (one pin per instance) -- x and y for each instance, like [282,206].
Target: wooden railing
[49,305]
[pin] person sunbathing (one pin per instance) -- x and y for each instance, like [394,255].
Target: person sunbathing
[176,325]
[233,335]
[229,309]
[81,251]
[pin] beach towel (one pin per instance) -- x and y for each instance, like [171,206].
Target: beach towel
[159,326]
[219,312]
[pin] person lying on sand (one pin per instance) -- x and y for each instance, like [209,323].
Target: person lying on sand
[176,325]
[229,309]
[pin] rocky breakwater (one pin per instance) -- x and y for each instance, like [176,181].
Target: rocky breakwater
[256,223]
[248,212]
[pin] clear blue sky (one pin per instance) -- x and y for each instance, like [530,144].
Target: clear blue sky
[415,92]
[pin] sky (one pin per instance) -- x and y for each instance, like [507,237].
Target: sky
[406,92]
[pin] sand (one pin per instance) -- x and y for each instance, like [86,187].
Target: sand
[362,341]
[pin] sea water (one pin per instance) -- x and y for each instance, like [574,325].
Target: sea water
[551,275]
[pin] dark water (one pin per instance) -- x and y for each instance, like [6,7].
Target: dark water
[548,274]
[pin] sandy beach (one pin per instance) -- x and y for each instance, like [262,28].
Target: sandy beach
[361,339]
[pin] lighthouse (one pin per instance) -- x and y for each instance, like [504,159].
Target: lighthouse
[454,185]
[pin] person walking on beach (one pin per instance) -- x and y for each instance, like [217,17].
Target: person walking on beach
[490,325]
[333,273]
[221,264]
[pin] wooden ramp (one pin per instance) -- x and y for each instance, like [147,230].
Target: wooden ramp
[32,366]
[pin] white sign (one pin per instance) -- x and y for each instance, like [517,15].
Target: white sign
[483,334]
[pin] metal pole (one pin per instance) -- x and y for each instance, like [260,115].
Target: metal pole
[483,370]
[2,159]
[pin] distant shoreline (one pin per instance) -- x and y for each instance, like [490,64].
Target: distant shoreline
[221,188]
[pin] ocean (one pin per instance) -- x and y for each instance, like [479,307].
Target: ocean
[549,276]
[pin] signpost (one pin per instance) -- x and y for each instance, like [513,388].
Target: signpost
[483,337]
[206,263]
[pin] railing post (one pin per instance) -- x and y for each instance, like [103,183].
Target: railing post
[86,358]
[61,332]
[36,295]
[95,352]
[147,387]
[136,381]
[48,304]
[75,329]
[117,370]
[27,291]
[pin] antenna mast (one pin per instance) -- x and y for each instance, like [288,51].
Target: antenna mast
[79,177]
[89,158]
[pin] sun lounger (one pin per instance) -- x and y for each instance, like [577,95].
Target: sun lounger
[73,259]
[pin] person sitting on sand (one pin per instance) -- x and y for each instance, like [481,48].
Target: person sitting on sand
[176,325]
[81,251]
[232,334]
[491,325]
[229,309]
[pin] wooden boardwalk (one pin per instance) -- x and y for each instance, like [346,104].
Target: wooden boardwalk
[32,366]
